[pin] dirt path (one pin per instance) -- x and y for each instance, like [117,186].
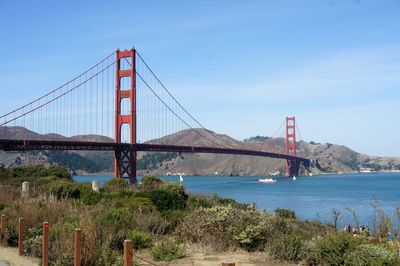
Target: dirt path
[196,258]
[9,256]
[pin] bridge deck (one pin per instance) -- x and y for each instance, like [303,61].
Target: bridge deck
[25,145]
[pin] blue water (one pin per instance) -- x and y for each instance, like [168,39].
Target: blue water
[312,198]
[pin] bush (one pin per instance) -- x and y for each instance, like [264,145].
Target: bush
[209,226]
[166,200]
[285,213]
[11,234]
[40,171]
[198,200]
[251,237]
[110,258]
[59,172]
[288,246]
[371,255]
[90,197]
[167,251]
[64,189]
[141,240]
[65,226]
[33,247]
[66,259]
[4,173]
[332,249]
[149,183]
[119,216]
[115,185]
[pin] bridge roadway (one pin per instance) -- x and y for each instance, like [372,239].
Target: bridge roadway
[25,145]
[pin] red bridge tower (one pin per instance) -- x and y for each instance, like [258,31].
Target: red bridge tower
[125,158]
[291,165]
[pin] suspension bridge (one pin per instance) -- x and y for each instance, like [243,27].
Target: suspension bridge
[120,105]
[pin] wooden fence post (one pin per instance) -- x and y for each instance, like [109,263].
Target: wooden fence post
[228,263]
[45,248]
[3,229]
[128,253]
[77,258]
[21,236]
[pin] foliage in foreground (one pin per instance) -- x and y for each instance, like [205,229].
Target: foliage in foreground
[167,251]
[163,212]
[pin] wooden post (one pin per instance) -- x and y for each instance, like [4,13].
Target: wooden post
[3,229]
[21,236]
[77,260]
[45,248]
[128,253]
[228,263]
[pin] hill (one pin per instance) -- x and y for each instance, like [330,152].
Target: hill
[331,157]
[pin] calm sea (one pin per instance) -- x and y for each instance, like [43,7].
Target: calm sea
[312,198]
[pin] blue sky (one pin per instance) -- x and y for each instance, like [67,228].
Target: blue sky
[239,66]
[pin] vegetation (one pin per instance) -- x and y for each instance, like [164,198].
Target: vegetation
[75,161]
[162,218]
[257,138]
[285,213]
[153,160]
[168,251]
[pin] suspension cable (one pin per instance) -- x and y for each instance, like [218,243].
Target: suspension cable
[58,88]
[279,129]
[298,129]
[181,119]
[180,105]
[56,97]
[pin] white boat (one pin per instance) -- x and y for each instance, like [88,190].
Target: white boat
[180,178]
[267,180]
[294,178]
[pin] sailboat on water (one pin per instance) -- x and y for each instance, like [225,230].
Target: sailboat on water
[180,177]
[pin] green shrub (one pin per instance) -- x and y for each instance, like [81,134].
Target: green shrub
[59,172]
[29,171]
[90,197]
[285,213]
[4,173]
[110,258]
[371,255]
[209,226]
[332,249]
[251,237]
[141,204]
[40,171]
[66,226]
[66,259]
[226,201]
[166,200]
[33,246]
[167,251]
[198,200]
[11,234]
[287,246]
[118,216]
[64,189]
[115,185]
[141,240]
[149,183]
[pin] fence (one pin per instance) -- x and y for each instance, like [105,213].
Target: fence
[128,256]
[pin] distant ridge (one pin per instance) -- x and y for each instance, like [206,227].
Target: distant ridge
[332,158]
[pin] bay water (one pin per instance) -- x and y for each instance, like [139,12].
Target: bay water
[311,197]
